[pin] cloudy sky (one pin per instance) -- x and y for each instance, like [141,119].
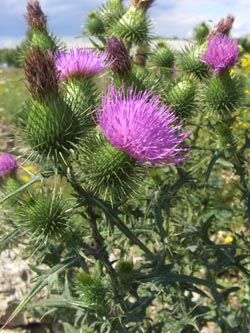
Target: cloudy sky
[171,17]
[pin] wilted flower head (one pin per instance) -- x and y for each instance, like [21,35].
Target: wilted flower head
[144,4]
[80,62]
[221,54]
[140,125]
[8,164]
[35,16]
[118,55]
[41,74]
[223,26]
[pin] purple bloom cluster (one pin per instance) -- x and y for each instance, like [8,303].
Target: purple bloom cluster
[140,125]
[221,54]
[80,62]
[8,164]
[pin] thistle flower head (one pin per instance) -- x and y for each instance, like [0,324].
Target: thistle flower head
[118,55]
[40,71]
[8,164]
[35,16]
[138,124]
[80,62]
[221,54]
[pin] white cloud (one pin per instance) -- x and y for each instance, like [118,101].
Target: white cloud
[9,42]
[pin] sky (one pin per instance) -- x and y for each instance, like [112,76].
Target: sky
[171,18]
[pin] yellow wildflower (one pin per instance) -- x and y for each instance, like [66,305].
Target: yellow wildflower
[228,240]
[245,62]
[25,177]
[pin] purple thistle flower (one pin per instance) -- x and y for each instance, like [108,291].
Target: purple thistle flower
[221,54]
[8,164]
[140,125]
[80,62]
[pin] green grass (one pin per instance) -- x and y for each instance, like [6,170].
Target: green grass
[12,93]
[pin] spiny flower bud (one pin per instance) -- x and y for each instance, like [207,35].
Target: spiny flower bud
[111,12]
[95,25]
[223,95]
[182,97]
[223,26]
[108,171]
[52,129]
[189,62]
[8,164]
[46,217]
[118,56]
[40,71]
[35,16]
[133,27]
[163,58]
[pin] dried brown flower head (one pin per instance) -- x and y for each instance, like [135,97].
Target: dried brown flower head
[223,26]
[143,4]
[35,16]
[118,55]
[41,74]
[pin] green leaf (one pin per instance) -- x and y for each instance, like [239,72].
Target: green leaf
[45,279]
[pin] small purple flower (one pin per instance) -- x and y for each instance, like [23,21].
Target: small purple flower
[221,54]
[8,164]
[80,62]
[140,125]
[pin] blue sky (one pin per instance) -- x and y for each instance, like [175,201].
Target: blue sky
[170,17]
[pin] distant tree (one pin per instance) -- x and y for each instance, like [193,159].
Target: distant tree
[10,56]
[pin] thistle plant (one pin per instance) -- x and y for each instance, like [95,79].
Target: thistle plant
[140,220]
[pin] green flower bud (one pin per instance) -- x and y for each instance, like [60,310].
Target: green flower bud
[133,27]
[95,25]
[111,12]
[53,129]
[109,171]
[81,95]
[201,32]
[92,291]
[182,97]
[189,62]
[163,58]
[223,95]
[46,217]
